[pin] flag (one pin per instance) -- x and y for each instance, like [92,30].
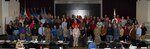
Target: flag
[25,13]
[42,13]
[28,13]
[114,12]
[22,12]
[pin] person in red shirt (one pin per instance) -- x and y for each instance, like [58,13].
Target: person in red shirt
[118,18]
[75,23]
[126,33]
[93,25]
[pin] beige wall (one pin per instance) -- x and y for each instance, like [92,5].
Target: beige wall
[1,16]
[143,12]
[8,11]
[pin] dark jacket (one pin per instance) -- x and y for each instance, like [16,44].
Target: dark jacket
[144,29]
[9,30]
[110,31]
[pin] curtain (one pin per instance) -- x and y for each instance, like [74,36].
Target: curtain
[36,7]
[122,7]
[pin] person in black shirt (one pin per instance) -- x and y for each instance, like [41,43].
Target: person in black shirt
[9,31]
[90,34]
[83,36]
[144,29]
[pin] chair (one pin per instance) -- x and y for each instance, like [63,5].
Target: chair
[126,45]
[33,45]
[102,45]
[142,44]
[5,45]
[53,45]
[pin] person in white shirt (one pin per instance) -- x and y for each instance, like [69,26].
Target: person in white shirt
[114,20]
[76,34]
[99,24]
[64,24]
[123,21]
[19,44]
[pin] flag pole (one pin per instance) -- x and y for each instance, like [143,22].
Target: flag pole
[114,12]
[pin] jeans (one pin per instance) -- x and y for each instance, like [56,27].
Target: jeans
[40,37]
[61,37]
[83,41]
[116,37]
[71,41]
[109,38]
[28,38]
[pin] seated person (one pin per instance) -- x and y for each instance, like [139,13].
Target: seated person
[92,45]
[6,45]
[19,44]
[102,45]
[142,44]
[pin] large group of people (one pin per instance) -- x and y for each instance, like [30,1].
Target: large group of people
[76,29]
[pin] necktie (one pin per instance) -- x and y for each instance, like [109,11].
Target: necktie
[42,30]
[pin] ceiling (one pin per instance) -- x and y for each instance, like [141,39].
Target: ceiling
[77,1]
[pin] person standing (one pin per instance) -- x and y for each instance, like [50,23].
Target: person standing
[71,36]
[129,21]
[99,24]
[103,33]
[75,23]
[144,29]
[32,27]
[54,33]
[40,32]
[60,33]
[121,33]
[15,32]
[138,33]
[66,34]
[22,31]
[116,32]
[28,33]
[9,31]
[123,21]
[132,32]
[83,36]
[93,25]
[97,35]
[109,33]
[76,34]
[47,33]
[64,23]
[126,33]
[115,20]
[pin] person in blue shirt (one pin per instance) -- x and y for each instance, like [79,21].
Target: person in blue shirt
[54,33]
[40,32]
[92,45]
[15,32]
[22,31]
[139,32]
